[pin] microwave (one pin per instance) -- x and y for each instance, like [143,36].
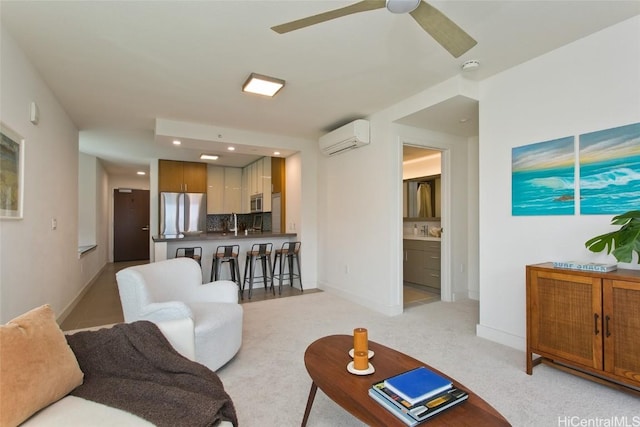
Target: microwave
[256,203]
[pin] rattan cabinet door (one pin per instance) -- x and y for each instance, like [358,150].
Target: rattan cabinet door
[566,318]
[622,329]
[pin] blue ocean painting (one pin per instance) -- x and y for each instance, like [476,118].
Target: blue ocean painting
[543,178]
[610,171]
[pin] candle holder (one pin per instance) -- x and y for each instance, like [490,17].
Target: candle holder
[360,354]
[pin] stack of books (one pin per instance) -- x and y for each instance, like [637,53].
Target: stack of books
[416,395]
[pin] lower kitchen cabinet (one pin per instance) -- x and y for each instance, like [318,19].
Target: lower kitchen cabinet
[422,262]
[587,323]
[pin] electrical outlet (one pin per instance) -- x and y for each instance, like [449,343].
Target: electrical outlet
[54,224]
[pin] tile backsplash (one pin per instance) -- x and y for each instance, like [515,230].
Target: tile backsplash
[224,222]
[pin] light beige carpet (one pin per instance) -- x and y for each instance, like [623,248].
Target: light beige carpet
[269,384]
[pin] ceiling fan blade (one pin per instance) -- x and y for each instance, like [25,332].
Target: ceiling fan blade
[361,6]
[443,30]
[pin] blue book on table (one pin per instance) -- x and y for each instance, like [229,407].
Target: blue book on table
[418,384]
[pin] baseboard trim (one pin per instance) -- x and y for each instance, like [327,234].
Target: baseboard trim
[357,299]
[69,308]
[501,337]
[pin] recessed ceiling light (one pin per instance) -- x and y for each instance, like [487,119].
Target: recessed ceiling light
[177,142]
[209,157]
[276,153]
[463,120]
[262,85]
[141,173]
[231,148]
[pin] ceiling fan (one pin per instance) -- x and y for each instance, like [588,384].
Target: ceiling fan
[442,29]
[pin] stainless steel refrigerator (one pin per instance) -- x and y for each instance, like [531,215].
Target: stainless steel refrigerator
[183,214]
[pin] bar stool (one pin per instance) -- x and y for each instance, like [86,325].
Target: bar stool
[259,252]
[193,253]
[226,253]
[290,251]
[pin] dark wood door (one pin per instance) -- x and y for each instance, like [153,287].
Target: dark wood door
[130,225]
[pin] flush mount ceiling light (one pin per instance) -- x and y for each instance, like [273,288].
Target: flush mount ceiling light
[209,157]
[262,85]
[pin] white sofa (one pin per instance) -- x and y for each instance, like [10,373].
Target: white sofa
[172,290]
[71,411]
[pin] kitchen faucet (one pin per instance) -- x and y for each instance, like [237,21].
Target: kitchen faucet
[235,224]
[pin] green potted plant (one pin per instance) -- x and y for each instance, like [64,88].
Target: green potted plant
[620,243]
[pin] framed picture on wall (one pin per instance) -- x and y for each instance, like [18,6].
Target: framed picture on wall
[610,170]
[543,178]
[11,173]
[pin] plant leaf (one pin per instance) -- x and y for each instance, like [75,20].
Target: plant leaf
[621,243]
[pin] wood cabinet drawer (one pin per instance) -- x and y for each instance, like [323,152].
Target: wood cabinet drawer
[421,245]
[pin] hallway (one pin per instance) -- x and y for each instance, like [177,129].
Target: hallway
[101,303]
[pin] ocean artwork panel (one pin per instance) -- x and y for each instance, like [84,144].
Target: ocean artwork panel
[543,178]
[610,171]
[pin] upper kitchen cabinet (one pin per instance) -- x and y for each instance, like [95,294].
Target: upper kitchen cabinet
[224,190]
[256,179]
[175,176]
[266,184]
[422,198]
[277,175]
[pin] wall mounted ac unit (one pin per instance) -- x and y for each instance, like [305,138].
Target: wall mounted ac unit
[347,137]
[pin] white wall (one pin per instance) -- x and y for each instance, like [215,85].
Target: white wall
[95,195]
[360,208]
[87,214]
[589,85]
[37,264]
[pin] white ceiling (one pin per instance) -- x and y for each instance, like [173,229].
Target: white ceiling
[122,64]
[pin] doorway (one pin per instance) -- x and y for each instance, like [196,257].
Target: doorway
[130,225]
[422,267]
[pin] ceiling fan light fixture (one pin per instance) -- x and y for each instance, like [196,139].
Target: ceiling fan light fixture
[402,6]
[262,85]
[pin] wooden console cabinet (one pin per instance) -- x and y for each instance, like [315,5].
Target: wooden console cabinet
[586,323]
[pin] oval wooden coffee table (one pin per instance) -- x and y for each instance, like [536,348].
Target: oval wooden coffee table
[326,360]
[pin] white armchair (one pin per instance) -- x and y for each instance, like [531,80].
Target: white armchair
[172,290]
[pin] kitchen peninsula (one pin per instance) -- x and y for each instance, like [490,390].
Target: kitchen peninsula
[165,247]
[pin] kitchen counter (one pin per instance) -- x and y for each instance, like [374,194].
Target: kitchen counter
[219,235]
[419,237]
[165,247]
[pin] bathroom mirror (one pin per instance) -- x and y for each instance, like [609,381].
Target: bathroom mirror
[421,198]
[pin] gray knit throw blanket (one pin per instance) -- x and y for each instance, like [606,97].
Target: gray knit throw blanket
[133,367]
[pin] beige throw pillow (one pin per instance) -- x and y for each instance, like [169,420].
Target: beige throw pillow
[37,367]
